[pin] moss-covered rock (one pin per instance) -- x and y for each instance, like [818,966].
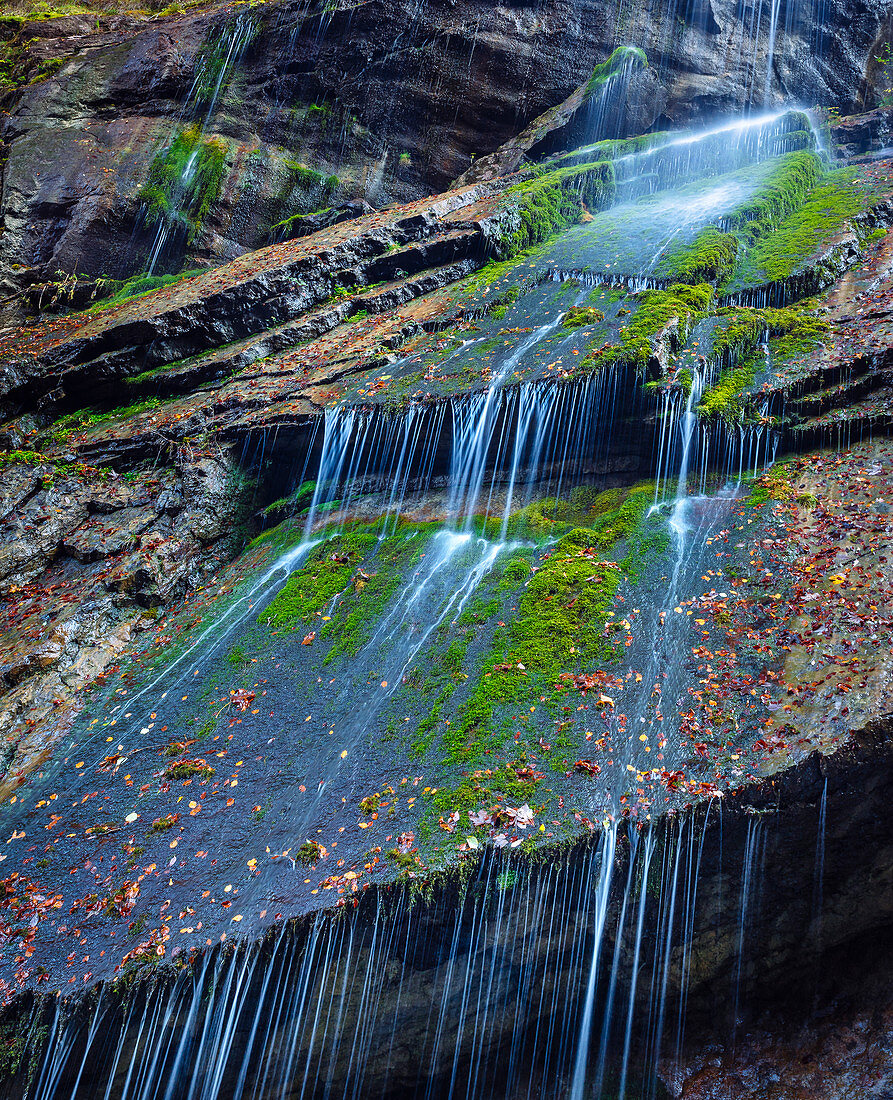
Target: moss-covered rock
[579,316]
[185,180]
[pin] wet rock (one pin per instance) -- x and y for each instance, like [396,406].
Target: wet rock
[87,564]
[170,502]
[207,497]
[305,224]
[108,498]
[14,434]
[17,485]
[868,133]
[101,539]
[45,654]
[31,536]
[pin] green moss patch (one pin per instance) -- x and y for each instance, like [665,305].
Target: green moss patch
[140,285]
[624,57]
[185,180]
[328,572]
[579,316]
[548,203]
[709,258]
[794,332]
[799,235]
[84,419]
[655,309]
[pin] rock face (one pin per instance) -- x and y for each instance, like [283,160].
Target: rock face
[88,563]
[393,98]
[775,958]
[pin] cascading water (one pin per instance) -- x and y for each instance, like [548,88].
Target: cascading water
[562,977]
[213,71]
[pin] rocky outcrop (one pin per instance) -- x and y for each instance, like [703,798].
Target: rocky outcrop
[867,134]
[89,561]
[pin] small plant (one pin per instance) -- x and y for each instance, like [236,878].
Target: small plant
[134,853]
[310,852]
[187,769]
[507,879]
[163,824]
[370,803]
[136,927]
[237,656]
[177,748]
[404,860]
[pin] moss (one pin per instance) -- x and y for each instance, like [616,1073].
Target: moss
[610,514]
[515,573]
[624,57]
[372,587]
[185,180]
[163,824]
[220,52]
[310,588]
[15,1042]
[358,563]
[499,307]
[315,190]
[562,608]
[303,495]
[308,179]
[774,485]
[606,294]
[310,852]
[546,204]
[52,468]
[401,391]
[137,287]
[84,419]
[405,860]
[798,236]
[796,206]
[612,149]
[45,69]
[794,332]
[738,329]
[782,192]
[655,309]
[725,399]
[578,316]
[557,624]
[709,258]
[493,271]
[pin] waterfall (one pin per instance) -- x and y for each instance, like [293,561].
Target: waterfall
[526,970]
[602,892]
[214,68]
